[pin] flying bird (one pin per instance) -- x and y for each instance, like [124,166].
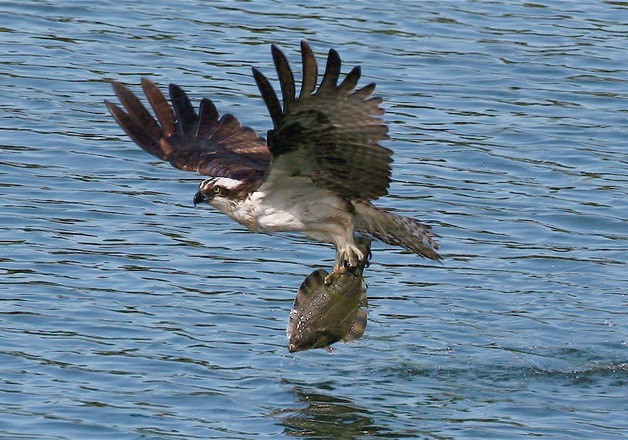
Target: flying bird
[317,171]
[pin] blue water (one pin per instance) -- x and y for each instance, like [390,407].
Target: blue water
[127,313]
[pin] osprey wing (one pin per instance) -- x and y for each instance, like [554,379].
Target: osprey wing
[191,141]
[330,134]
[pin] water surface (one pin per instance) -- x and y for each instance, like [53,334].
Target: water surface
[127,313]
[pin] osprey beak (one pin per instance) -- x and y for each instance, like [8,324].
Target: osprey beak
[198,198]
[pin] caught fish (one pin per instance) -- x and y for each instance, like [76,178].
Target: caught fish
[329,307]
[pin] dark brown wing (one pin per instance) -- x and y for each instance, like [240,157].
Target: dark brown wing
[203,142]
[330,134]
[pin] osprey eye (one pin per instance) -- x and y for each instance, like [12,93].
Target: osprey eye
[220,190]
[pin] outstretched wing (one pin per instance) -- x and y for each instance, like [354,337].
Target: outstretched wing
[203,142]
[330,134]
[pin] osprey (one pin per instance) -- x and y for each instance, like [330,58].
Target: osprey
[316,173]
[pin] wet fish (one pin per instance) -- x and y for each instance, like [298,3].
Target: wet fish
[329,307]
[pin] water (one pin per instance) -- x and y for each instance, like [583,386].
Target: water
[127,313]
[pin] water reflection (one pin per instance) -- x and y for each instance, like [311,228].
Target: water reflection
[328,416]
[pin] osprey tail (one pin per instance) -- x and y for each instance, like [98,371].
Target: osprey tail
[396,230]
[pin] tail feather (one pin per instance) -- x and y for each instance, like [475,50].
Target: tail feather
[396,230]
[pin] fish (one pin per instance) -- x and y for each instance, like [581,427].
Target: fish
[330,307]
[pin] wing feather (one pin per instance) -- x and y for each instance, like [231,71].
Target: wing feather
[204,142]
[331,134]
[161,107]
[365,91]
[351,80]
[133,105]
[310,70]
[138,132]
[269,95]
[286,78]
[207,114]
[332,73]
[184,112]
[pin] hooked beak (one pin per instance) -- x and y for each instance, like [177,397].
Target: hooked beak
[198,198]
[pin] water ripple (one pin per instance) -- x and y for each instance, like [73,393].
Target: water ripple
[126,312]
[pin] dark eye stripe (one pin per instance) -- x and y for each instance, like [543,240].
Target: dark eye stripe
[207,183]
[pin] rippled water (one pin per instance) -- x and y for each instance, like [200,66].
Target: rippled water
[127,313]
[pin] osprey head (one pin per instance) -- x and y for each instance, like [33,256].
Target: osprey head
[218,191]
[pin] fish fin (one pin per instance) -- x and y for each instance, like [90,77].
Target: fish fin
[358,326]
[312,282]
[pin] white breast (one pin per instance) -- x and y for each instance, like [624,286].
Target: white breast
[296,205]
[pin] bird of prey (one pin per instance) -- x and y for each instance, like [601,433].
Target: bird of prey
[317,171]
